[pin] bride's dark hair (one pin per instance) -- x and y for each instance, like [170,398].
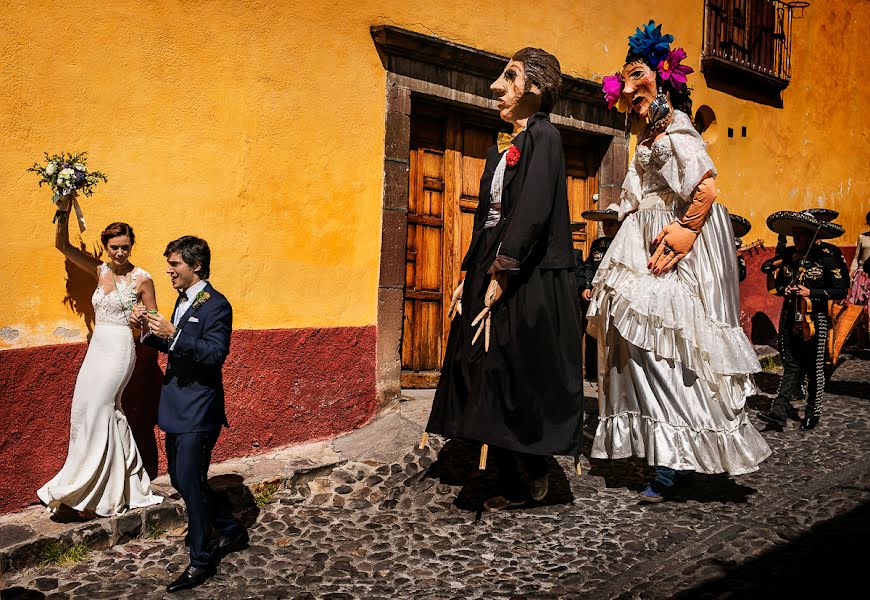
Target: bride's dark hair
[116,229]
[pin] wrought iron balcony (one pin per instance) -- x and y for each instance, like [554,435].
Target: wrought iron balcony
[750,40]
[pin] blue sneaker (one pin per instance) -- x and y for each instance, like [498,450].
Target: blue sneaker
[650,495]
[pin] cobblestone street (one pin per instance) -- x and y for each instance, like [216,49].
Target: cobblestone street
[414,529]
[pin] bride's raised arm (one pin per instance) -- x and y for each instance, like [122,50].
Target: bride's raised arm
[80,259]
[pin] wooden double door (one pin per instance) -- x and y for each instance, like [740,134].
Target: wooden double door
[448,153]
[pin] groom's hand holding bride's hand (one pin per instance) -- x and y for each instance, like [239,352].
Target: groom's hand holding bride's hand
[159,326]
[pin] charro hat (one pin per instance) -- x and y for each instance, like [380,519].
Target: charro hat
[607,214]
[786,221]
[823,214]
[740,225]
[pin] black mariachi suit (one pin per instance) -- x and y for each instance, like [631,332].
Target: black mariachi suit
[827,278]
[596,254]
[525,395]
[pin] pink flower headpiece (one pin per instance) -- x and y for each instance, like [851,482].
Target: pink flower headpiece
[612,86]
[672,71]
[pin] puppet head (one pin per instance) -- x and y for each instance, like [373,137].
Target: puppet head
[531,82]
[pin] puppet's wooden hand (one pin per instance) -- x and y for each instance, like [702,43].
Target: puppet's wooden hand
[493,294]
[456,301]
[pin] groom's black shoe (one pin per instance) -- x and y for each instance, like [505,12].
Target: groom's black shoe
[191,577]
[232,543]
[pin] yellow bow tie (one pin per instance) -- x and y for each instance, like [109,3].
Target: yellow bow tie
[505,139]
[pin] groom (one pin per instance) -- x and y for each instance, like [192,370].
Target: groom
[197,340]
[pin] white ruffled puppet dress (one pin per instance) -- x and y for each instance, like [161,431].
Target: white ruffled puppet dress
[675,366]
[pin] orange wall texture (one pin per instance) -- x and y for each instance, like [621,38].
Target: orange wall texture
[260,126]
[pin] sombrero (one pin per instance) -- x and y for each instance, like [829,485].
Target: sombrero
[823,214]
[607,214]
[786,221]
[741,225]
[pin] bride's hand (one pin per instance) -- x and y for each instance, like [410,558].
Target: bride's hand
[65,203]
[137,317]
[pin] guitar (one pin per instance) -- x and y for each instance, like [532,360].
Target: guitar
[753,248]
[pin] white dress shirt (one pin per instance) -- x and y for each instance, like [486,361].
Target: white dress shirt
[191,293]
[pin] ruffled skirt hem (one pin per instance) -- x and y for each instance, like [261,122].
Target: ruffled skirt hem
[736,452]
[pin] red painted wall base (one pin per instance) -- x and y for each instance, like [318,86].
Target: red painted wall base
[283,386]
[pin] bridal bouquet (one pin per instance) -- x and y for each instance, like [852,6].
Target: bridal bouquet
[67,174]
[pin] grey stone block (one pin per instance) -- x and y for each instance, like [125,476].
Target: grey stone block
[127,527]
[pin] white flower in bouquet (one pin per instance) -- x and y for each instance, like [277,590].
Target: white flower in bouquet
[51,168]
[80,167]
[65,180]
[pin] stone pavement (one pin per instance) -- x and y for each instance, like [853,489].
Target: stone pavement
[390,521]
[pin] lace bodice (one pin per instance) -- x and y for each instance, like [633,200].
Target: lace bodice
[674,164]
[114,307]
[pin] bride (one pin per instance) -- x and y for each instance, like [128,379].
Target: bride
[103,472]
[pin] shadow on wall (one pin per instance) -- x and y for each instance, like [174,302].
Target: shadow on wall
[80,287]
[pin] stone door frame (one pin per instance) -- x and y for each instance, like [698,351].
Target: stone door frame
[418,64]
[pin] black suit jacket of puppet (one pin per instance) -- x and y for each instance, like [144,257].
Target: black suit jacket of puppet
[535,227]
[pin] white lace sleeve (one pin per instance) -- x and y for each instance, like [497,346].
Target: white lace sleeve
[688,162]
[629,197]
[141,274]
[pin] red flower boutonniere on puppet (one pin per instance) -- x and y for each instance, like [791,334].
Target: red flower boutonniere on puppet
[513,156]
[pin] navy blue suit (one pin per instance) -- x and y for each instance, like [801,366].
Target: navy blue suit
[192,413]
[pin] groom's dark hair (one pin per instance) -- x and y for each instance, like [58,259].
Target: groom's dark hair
[192,250]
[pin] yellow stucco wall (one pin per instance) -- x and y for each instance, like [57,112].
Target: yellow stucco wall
[260,126]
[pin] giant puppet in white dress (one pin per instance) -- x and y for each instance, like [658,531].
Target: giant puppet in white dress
[675,366]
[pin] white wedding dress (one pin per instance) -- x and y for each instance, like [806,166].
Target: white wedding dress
[103,471]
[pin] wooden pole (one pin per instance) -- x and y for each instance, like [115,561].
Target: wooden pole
[484,451]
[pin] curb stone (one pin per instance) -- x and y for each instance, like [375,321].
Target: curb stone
[25,535]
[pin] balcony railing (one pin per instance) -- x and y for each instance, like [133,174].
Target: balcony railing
[753,36]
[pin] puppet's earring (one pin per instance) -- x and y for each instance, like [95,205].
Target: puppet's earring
[658,108]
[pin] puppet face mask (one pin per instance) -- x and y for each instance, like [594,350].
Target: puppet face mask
[640,87]
[514,102]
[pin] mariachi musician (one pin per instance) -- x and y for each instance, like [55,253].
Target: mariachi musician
[809,275]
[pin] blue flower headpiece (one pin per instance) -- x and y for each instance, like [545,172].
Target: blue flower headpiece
[649,43]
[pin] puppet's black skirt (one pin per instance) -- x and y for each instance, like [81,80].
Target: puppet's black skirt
[526,393]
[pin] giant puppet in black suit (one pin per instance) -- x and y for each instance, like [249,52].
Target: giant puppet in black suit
[516,384]
[197,340]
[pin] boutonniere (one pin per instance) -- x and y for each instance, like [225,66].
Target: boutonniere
[201,298]
[513,156]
